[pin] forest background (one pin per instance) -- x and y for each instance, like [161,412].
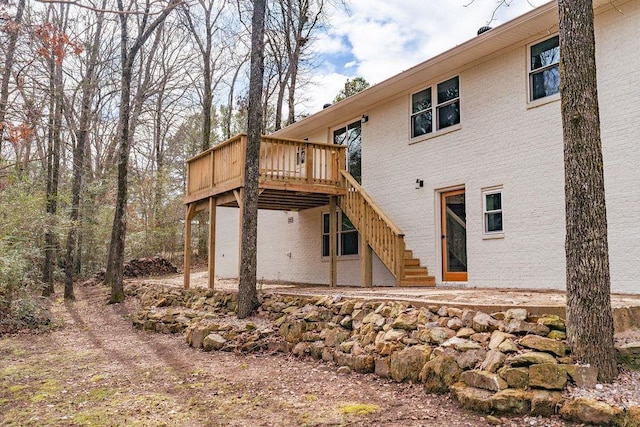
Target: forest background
[63,143]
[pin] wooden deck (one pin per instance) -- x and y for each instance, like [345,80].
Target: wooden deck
[294,175]
[297,175]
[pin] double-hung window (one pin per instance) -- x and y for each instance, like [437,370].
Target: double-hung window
[492,208]
[347,236]
[434,111]
[544,71]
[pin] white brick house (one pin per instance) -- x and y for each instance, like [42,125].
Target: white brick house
[491,163]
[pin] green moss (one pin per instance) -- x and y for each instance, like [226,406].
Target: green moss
[11,370]
[17,388]
[359,409]
[39,397]
[100,394]
[92,417]
[47,390]
[96,378]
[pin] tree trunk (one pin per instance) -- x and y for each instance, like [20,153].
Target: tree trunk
[115,264]
[207,99]
[8,68]
[114,274]
[88,92]
[589,314]
[247,295]
[53,173]
[229,113]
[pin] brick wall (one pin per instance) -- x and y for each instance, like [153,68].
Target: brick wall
[502,141]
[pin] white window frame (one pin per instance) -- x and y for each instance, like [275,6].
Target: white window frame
[435,109]
[339,233]
[485,212]
[531,73]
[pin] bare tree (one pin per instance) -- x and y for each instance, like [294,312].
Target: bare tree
[589,313]
[115,263]
[290,30]
[212,56]
[14,31]
[88,90]
[54,43]
[247,294]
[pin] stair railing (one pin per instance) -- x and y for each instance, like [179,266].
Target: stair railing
[375,228]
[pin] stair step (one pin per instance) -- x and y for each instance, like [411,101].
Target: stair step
[408,254]
[411,262]
[416,271]
[422,281]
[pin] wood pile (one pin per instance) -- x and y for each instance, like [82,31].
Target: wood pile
[145,267]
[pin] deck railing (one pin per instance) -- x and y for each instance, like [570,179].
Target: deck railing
[221,168]
[301,161]
[375,228]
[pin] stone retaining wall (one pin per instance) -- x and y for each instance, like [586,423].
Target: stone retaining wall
[501,363]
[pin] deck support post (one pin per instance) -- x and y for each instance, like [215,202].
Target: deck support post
[367,270]
[212,242]
[188,216]
[399,259]
[238,194]
[333,231]
[367,267]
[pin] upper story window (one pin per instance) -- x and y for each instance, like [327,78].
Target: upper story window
[544,71]
[429,114]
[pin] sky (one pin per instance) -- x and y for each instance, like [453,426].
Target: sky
[377,39]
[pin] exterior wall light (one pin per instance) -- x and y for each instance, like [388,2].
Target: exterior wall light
[365,118]
[419,184]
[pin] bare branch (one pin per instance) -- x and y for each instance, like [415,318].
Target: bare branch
[500,4]
[83,5]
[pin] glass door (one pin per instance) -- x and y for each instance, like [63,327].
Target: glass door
[454,236]
[351,136]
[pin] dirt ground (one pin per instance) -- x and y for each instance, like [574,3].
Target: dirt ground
[95,369]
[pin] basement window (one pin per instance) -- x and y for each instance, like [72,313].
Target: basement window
[346,238]
[492,208]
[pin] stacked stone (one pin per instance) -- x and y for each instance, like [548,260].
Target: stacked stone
[503,363]
[165,309]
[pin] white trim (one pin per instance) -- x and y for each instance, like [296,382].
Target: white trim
[436,134]
[339,231]
[435,107]
[542,101]
[487,192]
[529,73]
[438,228]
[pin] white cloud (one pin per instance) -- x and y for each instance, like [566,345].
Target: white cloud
[380,38]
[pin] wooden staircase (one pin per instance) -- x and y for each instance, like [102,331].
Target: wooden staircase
[382,235]
[414,273]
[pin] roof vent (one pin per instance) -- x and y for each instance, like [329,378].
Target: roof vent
[483,29]
[326,105]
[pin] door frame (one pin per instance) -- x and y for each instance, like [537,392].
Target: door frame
[449,276]
[346,125]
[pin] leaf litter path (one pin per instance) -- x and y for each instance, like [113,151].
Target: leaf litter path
[95,369]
